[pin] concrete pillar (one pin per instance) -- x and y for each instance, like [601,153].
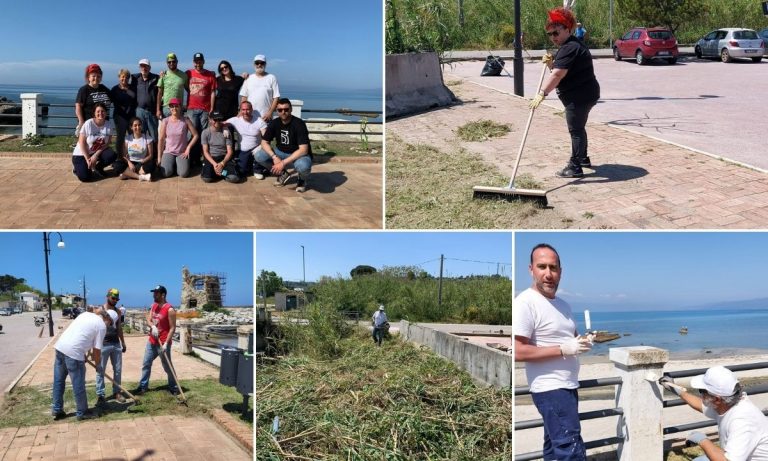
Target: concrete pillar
[243,331]
[29,113]
[184,326]
[641,424]
[296,105]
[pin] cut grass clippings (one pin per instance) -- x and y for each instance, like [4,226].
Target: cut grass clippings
[432,189]
[481,130]
[28,406]
[398,402]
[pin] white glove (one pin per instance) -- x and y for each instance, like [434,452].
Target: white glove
[670,385]
[575,346]
[696,437]
[153,331]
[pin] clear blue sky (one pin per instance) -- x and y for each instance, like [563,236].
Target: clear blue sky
[337,253]
[651,270]
[336,43]
[133,262]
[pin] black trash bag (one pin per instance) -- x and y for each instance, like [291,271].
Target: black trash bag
[493,67]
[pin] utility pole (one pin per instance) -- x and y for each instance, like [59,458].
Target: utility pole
[440,286]
[517,64]
[461,13]
[303,267]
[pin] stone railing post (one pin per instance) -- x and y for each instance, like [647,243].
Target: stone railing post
[29,113]
[641,424]
[184,326]
[243,332]
[296,105]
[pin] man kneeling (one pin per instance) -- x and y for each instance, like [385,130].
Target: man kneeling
[218,151]
[291,147]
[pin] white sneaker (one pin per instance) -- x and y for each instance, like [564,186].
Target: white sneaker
[145,177]
[255,175]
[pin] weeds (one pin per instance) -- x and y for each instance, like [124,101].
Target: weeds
[481,130]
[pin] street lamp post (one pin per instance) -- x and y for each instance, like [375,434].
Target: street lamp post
[303,267]
[46,251]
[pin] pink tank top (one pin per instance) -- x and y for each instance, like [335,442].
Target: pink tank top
[175,136]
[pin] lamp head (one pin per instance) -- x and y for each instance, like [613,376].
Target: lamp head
[60,244]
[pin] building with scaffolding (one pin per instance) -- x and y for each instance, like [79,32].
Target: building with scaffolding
[197,290]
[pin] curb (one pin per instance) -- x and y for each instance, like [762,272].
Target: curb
[237,430]
[26,369]
[318,157]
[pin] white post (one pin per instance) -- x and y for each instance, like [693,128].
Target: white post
[641,424]
[185,335]
[296,105]
[29,113]
[243,332]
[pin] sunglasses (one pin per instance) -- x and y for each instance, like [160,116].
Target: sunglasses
[172,62]
[260,63]
[114,299]
[286,109]
[222,68]
[173,106]
[554,33]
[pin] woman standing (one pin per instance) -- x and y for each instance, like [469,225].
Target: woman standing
[574,77]
[125,106]
[90,94]
[92,152]
[228,90]
[173,142]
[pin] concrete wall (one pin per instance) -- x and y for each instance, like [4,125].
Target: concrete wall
[488,366]
[414,84]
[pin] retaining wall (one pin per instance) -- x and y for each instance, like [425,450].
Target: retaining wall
[414,84]
[487,366]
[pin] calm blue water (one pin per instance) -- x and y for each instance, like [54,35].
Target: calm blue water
[315,99]
[707,330]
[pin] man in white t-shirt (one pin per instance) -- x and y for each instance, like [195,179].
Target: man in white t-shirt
[379,325]
[84,334]
[250,129]
[547,340]
[261,89]
[742,426]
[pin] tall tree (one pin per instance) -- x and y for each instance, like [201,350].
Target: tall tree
[270,282]
[664,13]
[8,282]
[362,270]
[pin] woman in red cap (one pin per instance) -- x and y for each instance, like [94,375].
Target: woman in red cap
[574,78]
[90,94]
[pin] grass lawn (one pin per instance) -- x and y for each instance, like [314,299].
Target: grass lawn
[398,402]
[430,188]
[29,406]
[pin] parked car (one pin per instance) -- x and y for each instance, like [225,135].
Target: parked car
[644,44]
[729,43]
[6,311]
[764,35]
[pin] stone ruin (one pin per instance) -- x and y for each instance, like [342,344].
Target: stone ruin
[198,290]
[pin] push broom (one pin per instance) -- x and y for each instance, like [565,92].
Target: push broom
[511,192]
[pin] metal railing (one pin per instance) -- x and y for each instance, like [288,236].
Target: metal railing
[604,413]
[201,339]
[4,117]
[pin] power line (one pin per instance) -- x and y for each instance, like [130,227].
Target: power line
[481,262]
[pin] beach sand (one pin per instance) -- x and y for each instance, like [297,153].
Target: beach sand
[602,398]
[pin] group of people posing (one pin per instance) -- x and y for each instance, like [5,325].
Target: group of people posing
[97,338]
[224,126]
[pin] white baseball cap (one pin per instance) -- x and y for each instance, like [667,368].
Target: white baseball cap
[112,315]
[718,381]
[259,57]
[145,61]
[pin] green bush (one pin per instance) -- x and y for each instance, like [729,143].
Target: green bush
[320,336]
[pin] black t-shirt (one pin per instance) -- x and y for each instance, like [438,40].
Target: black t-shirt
[125,102]
[228,95]
[579,85]
[88,97]
[288,137]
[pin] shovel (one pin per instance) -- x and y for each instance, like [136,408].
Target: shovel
[122,389]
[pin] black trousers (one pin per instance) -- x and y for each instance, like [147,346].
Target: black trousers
[576,115]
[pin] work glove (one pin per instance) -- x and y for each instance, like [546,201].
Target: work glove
[669,384]
[548,59]
[695,437]
[125,348]
[536,100]
[575,346]
[153,331]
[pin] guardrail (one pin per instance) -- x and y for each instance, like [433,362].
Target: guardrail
[639,404]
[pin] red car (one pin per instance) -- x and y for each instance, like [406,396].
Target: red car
[644,44]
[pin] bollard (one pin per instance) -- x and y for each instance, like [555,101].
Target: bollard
[29,113]
[243,332]
[296,105]
[184,326]
[641,424]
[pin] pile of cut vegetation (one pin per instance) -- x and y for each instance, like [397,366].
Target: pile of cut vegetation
[397,402]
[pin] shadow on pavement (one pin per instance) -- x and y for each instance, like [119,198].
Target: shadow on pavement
[327,182]
[607,174]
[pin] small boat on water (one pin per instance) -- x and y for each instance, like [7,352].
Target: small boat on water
[683,330]
[605,336]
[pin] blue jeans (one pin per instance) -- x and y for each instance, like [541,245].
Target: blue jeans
[303,165]
[150,354]
[245,161]
[114,352]
[148,121]
[378,335]
[562,429]
[576,116]
[63,366]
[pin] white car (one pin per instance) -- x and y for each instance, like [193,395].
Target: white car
[729,43]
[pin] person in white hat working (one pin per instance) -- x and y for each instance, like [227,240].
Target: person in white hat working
[742,426]
[379,321]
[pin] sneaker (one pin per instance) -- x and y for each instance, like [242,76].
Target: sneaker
[174,391]
[97,174]
[145,177]
[87,415]
[570,172]
[282,179]
[139,391]
[302,185]
[586,162]
[101,401]
[59,415]
[258,176]
[119,398]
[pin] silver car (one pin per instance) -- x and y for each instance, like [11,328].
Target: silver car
[729,43]
[764,35]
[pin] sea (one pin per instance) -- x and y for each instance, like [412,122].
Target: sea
[314,99]
[714,331]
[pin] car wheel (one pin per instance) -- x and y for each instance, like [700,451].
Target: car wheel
[725,56]
[672,61]
[616,54]
[697,51]
[757,59]
[639,58]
